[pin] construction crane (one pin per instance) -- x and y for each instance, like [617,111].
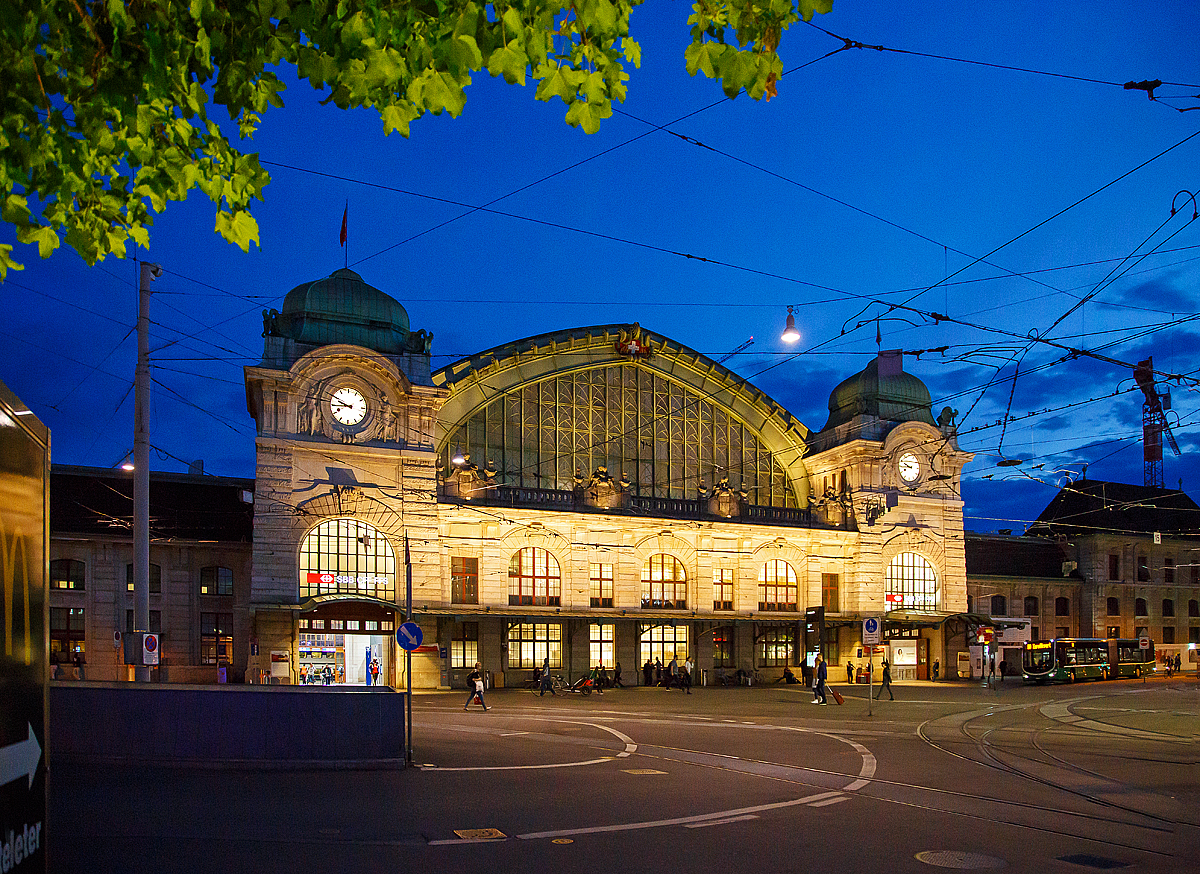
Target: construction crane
[1154,423]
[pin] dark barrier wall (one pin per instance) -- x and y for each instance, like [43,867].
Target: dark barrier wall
[106,721]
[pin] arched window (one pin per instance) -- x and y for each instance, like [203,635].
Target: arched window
[1062,606]
[664,583]
[1114,606]
[1168,607]
[67,573]
[777,586]
[347,557]
[999,605]
[534,578]
[1031,605]
[1139,607]
[911,583]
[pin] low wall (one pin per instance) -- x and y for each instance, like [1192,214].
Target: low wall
[114,721]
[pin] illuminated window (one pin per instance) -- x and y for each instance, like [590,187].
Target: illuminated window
[830,598]
[776,647]
[663,643]
[534,578]
[67,633]
[722,588]
[67,573]
[464,644]
[723,647]
[664,583]
[216,638]
[216,581]
[347,557]
[601,582]
[602,648]
[911,583]
[155,579]
[529,643]
[464,582]
[777,586]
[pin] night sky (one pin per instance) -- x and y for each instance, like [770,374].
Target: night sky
[873,179]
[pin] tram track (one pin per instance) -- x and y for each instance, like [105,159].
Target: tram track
[1008,758]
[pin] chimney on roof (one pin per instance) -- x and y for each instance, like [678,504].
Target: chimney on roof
[196,468]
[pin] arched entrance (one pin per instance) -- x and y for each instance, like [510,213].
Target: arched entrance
[348,613]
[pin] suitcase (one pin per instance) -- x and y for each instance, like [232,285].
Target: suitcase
[837,696]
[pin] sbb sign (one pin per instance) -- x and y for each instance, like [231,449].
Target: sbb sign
[327,580]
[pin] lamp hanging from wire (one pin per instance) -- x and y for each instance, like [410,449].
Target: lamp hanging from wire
[790,334]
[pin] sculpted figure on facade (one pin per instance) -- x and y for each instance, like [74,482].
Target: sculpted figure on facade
[724,501]
[603,492]
[305,415]
[467,482]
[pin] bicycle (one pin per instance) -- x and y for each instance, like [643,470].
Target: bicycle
[557,685]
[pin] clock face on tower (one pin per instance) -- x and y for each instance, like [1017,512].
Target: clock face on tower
[348,406]
[909,467]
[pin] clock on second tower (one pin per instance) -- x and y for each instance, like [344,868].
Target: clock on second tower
[348,406]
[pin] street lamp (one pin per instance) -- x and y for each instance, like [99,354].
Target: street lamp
[790,333]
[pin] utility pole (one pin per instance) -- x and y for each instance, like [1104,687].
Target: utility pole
[141,464]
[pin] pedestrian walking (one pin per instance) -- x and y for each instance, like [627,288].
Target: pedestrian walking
[822,673]
[617,676]
[850,673]
[475,684]
[686,676]
[937,669]
[1003,668]
[596,678]
[1178,663]
[375,672]
[992,671]
[672,672]
[658,672]
[887,682]
[648,673]
[546,682]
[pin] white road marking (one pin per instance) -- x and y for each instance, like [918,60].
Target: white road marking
[721,821]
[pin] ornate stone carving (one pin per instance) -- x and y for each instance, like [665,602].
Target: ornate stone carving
[725,501]
[468,483]
[602,491]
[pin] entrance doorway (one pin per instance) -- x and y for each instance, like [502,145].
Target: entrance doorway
[340,642]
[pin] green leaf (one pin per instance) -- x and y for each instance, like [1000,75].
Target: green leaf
[508,63]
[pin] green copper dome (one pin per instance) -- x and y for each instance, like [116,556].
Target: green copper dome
[342,308]
[892,396]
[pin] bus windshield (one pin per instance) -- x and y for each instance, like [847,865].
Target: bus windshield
[1037,658]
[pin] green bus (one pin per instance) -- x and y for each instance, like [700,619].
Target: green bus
[1128,658]
[1065,660]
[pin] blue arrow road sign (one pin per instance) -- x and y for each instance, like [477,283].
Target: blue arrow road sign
[409,636]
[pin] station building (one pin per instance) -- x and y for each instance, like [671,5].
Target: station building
[591,496]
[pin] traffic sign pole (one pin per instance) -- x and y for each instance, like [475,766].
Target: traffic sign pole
[408,752]
[872,633]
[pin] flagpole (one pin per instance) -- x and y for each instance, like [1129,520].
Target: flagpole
[344,239]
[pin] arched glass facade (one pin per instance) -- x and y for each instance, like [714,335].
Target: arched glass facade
[664,583]
[777,586]
[534,578]
[911,583]
[664,437]
[347,557]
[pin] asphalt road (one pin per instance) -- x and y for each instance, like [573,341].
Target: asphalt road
[1099,776]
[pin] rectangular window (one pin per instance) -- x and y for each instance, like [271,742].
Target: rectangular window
[464,582]
[663,643]
[155,622]
[67,633]
[67,573]
[464,644]
[1143,569]
[1034,633]
[529,643]
[337,624]
[829,593]
[723,647]
[775,647]
[723,588]
[1113,631]
[216,638]
[1169,570]
[602,648]
[1168,634]
[1114,566]
[1194,634]
[155,579]
[601,582]
[216,581]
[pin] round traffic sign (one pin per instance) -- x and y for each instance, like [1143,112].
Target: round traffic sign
[871,625]
[409,636]
[151,642]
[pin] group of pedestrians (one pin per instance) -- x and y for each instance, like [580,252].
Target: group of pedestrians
[821,679]
[673,676]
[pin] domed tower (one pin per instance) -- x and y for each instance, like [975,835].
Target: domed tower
[345,412]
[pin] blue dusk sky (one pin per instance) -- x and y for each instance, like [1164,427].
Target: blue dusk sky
[1026,195]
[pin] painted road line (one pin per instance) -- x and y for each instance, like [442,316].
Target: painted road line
[829,801]
[725,821]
